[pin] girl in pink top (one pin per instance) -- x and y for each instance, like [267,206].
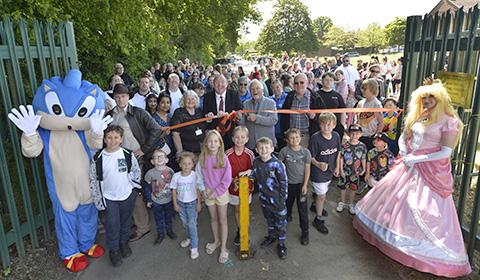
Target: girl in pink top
[348,94]
[341,85]
[215,173]
[410,215]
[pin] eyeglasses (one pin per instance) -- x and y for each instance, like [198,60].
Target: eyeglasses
[301,82]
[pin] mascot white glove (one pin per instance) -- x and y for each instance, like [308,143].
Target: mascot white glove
[98,122]
[25,120]
[410,159]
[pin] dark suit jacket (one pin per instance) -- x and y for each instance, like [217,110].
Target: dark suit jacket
[232,103]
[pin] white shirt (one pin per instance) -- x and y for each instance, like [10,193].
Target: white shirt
[116,185]
[386,68]
[185,186]
[138,100]
[351,74]
[175,96]
[217,98]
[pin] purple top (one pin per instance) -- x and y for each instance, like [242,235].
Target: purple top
[218,179]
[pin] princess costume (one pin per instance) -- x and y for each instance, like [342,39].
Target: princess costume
[410,215]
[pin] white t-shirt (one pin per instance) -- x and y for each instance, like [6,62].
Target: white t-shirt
[175,96]
[185,186]
[138,100]
[386,70]
[115,185]
[351,75]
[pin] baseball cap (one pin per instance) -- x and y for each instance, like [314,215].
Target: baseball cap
[381,136]
[354,127]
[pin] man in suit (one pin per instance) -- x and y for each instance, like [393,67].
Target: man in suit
[260,124]
[221,102]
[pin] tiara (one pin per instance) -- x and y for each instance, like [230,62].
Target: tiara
[428,81]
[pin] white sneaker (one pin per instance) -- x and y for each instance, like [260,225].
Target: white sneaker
[340,206]
[185,243]
[351,209]
[194,253]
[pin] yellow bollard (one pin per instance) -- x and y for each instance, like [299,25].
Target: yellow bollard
[244,193]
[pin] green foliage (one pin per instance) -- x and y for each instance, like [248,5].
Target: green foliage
[7,271]
[339,37]
[290,29]
[373,36]
[245,47]
[321,25]
[395,31]
[139,33]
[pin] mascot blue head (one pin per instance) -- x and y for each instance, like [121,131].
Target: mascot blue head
[69,97]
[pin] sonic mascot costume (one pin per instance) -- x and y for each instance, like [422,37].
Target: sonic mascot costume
[65,121]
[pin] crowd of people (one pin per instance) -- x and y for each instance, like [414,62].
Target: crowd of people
[176,162]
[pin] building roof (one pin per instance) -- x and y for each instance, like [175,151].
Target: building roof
[453,5]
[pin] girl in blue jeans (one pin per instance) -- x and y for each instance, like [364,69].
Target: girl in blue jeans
[185,200]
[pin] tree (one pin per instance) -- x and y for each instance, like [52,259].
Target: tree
[245,47]
[139,33]
[321,25]
[340,38]
[372,37]
[395,31]
[290,29]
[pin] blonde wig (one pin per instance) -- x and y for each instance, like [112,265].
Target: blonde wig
[443,106]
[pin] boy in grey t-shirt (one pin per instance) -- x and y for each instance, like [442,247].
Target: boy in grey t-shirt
[159,195]
[297,162]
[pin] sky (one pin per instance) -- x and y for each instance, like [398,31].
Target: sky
[350,14]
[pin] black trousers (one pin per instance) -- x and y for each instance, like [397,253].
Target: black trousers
[295,193]
[118,221]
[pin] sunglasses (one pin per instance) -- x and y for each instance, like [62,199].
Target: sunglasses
[243,85]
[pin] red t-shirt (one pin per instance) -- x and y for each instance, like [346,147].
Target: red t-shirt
[239,163]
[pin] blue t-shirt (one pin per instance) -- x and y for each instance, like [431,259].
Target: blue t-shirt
[245,97]
[324,150]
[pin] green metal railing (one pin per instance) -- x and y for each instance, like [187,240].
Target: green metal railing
[451,41]
[29,52]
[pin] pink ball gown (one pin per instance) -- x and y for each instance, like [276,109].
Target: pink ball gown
[410,215]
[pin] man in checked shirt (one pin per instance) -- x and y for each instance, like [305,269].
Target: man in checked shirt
[301,98]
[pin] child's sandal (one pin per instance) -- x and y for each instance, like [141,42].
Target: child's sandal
[223,258]
[211,247]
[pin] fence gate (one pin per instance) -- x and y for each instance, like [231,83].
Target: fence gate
[451,41]
[29,52]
